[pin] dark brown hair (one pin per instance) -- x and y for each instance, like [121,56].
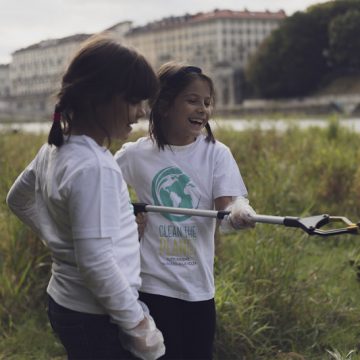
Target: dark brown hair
[101,69]
[174,78]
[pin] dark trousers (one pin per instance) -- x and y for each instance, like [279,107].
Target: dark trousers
[188,327]
[86,336]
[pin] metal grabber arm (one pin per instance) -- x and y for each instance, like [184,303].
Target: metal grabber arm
[311,225]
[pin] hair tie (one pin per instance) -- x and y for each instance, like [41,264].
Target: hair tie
[56,116]
[192,69]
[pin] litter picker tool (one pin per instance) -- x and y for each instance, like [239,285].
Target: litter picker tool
[311,225]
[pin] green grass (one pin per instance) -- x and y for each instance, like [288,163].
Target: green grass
[281,294]
[31,339]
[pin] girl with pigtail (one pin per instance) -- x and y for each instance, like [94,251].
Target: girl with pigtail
[180,164]
[74,197]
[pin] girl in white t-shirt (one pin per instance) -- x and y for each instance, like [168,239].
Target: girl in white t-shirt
[179,166]
[74,197]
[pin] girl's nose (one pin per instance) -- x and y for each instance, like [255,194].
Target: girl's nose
[201,108]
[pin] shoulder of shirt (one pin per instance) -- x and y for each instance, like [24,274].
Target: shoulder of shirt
[89,157]
[221,145]
[217,145]
[43,151]
[141,144]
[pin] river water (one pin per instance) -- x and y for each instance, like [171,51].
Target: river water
[235,124]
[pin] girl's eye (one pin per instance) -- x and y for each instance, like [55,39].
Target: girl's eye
[198,101]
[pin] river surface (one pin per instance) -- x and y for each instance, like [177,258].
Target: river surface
[235,124]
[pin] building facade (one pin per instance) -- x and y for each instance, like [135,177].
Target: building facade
[4,91]
[220,42]
[4,81]
[35,73]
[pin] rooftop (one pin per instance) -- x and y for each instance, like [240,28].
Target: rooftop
[175,21]
[55,42]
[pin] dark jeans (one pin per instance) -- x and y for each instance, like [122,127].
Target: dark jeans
[86,336]
[188,327]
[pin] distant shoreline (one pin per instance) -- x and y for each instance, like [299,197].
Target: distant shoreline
[236,124]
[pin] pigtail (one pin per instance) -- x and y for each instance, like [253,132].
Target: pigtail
[56,136]
[210,136]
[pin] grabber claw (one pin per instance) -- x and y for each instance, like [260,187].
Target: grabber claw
[313,224]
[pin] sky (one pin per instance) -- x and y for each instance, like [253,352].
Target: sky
[27,22]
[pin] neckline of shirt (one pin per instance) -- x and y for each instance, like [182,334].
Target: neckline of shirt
[183,148]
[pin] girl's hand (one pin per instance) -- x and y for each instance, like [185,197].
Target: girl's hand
[145,341]
[241,214]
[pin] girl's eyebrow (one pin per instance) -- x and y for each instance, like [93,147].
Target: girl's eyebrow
[197,95]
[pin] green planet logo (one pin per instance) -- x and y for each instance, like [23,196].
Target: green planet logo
[171,187]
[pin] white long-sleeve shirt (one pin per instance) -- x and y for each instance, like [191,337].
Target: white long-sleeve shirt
[75,199]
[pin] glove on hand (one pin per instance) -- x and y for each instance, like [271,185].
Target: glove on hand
[241,215]
[144,341]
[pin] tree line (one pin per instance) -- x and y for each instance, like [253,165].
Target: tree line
[307,50]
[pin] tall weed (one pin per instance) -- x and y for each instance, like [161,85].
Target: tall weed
[24,261]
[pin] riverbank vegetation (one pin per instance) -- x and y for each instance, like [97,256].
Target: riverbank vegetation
[281,294]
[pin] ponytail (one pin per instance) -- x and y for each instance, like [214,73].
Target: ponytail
[210,136]
[56,136]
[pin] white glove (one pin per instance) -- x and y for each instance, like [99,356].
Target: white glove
[241,215]
[144,341]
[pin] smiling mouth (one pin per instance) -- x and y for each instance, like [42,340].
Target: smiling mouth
[198,122]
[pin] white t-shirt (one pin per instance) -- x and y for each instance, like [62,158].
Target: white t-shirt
[76,200]
[177,251]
